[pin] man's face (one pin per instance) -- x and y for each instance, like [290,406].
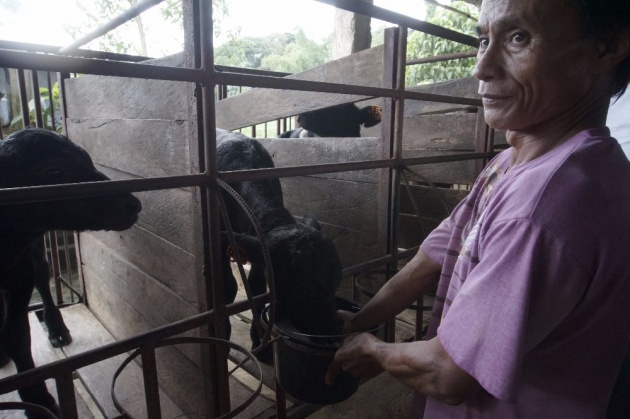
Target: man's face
[533,63]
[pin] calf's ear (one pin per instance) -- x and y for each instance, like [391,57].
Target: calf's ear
[371,115]
[249,248]
[311,222]
[252,247]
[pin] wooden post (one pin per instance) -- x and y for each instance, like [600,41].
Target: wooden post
[352,33]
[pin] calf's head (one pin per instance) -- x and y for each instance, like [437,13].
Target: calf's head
[307,273]
[35,157]
[340,121]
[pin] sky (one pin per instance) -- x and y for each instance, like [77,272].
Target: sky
[43,21]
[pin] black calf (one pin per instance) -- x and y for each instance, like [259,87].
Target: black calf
[306,266]
[337,121]
[34,157]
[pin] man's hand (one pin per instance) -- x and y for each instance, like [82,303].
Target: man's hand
[355,357]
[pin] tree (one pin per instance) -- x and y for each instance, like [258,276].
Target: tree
[288,52]
[132,38]
[419,44]
[297,56]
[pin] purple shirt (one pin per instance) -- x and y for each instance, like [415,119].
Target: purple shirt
[534,295]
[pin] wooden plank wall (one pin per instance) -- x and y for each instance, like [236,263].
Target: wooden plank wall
[149,275]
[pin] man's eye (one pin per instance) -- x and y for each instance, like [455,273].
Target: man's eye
[518,38]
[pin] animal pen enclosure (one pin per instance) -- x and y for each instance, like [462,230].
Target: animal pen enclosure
[150,125]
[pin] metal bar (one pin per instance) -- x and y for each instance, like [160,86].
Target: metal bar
[51,104]
[219,379]
[72,190]
[44,193]
[26,118]
[151,389]
[37,100]
[444,57]
[54,256]
[75,362]
[87,53]
[66,253]
[380,13]
[66,396]
[290,171]
[112,24]
[20,59]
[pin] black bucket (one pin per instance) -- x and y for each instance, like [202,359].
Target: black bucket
[301,362]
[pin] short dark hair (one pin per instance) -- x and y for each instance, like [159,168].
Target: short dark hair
[603,19]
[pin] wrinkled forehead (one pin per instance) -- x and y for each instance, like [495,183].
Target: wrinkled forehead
[552,16]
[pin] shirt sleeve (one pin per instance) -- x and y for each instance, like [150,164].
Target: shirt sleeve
[436,243]
[525,283]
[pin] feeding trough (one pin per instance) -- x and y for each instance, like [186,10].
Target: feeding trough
[301,361]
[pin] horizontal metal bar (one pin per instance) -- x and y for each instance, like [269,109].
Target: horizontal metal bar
[443,57]
[289,171]
[231,69]
[73,363]
[52,49]
[65,64]
[380,13]
[66,191]
[236,79]
[119,20]
[430,97]
[72,190]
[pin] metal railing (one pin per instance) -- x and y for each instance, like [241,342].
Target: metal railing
[207,77]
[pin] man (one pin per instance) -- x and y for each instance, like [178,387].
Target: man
[532,314]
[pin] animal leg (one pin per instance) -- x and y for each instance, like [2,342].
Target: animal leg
[15,338]
[58,332]
[258,286]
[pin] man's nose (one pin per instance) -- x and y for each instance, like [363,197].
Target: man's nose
[489,63]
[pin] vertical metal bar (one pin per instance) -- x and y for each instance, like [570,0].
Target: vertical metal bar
[77,251]
[388,136]
[26,119]
[63,105]
[66,396]
[54,256]
[51,104]
[214,289]
[151,389]
[66,250]
[37,100]
[281,401]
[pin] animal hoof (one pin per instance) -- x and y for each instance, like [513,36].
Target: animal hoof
[57,340]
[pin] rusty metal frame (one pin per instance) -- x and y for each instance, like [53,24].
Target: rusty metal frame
[206,77]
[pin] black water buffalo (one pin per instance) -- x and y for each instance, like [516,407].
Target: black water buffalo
[306,266]
[33,157]
[337,121]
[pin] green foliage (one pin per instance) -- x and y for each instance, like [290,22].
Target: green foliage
[297,56]
[288,52]
[422,45]
[47,109]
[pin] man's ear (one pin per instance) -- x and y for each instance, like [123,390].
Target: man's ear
[614,49]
